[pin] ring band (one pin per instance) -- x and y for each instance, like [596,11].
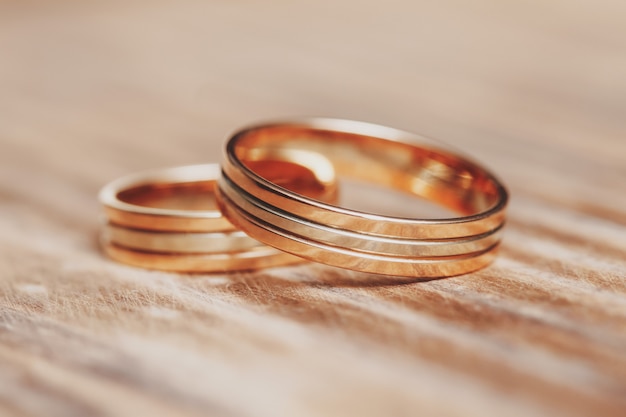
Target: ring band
[255,258]
[356,240]
[280,220]
[167,219]
[178,242]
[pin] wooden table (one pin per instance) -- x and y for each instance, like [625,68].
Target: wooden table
[535,90]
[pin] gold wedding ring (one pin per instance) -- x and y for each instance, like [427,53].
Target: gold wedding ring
[168,220]
[323,232]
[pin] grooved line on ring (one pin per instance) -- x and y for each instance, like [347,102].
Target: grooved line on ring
[256,258]
[260,223]
[407,267]
[277,218]
[366,223]
[178,242]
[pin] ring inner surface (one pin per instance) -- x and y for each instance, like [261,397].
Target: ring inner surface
[436,175]
[196,195]
[307,173]
[314,181]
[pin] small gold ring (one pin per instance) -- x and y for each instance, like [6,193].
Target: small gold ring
[168,219]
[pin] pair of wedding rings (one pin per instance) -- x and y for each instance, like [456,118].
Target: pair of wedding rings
[274,201]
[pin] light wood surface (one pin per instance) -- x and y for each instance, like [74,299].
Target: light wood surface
[90,91]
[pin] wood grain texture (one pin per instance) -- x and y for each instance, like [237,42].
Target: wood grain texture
[534,89]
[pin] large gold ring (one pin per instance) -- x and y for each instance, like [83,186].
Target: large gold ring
[323,232]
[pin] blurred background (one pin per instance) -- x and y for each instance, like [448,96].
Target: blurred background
[138,84]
